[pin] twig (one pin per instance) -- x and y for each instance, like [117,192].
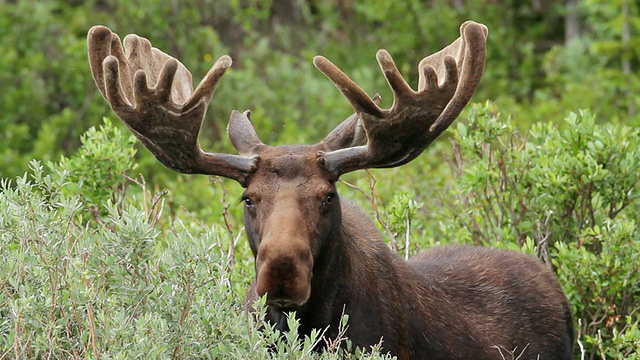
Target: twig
[333,345]
[374,200]
[582,350]
[150,211]
[92,325]
[600,345]
[543,242]
[231,253]
[183,318]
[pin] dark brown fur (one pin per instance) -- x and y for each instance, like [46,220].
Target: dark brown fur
[456,302]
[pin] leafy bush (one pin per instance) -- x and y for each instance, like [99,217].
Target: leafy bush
[46,84]
[131,281]
[603,285]
[572,191]
[97,171]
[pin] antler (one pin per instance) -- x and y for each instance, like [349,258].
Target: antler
[395,136]
[153,94]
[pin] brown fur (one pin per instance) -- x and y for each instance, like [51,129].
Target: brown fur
[456,302]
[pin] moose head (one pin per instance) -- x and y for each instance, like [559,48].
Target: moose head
[314,254]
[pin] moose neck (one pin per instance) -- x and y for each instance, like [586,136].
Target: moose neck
[353,268]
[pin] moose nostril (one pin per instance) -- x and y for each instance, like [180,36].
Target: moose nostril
[304,255]
[284,268]
[261,257]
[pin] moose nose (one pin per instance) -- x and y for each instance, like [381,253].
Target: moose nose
[286,279]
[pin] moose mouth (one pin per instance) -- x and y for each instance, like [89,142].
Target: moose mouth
[287,297]
[284,304]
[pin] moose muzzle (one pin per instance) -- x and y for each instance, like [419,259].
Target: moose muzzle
[284,262]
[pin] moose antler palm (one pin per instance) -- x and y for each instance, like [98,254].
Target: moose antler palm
[447,80]
[152,93]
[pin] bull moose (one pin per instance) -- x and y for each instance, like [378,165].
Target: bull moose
[320,257]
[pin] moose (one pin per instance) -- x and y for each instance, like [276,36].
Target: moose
[319,257]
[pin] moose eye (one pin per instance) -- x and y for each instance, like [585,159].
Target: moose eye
[247,202]
[329,199]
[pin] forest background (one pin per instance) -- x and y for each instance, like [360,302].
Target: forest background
[109,255]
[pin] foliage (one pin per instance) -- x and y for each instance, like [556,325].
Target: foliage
[604,286]
[572,191]
[595,69]
[45,94]
[127,282]
[532,72]
[570,178]
[97,171]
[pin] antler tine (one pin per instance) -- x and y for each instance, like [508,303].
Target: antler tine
[395,136]
[359,99]
[152,93]
[470,49]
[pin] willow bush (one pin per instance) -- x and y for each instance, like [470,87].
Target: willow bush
[568,192]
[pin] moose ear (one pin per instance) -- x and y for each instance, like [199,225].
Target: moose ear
[242,134]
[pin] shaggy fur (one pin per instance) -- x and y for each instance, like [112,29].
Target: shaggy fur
[456,302]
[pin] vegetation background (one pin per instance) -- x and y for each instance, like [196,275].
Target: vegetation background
[108,255]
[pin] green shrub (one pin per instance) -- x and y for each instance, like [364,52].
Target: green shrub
[569,189]
[97,172]
[599,273]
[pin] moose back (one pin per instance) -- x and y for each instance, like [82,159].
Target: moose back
[320,257]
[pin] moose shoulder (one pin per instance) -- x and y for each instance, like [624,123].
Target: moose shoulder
[320,257]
